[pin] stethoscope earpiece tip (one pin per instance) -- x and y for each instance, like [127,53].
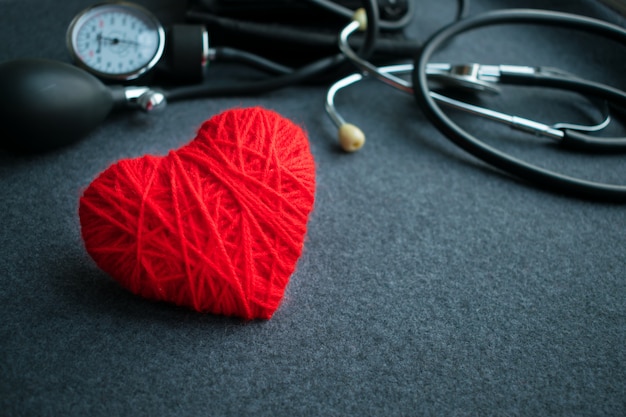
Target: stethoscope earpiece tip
[360,15]
[351,138]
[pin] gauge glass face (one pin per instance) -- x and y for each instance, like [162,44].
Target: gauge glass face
[118,41]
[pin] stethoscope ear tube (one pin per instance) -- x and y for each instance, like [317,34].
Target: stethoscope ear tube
[536,175]
[573,139]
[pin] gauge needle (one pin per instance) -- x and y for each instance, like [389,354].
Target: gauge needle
[115,41]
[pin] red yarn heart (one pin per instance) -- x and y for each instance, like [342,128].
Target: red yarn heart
[217,225]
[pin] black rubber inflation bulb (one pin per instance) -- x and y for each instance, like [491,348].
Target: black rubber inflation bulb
[48,104]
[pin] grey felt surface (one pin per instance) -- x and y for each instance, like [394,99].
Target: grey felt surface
[429,284]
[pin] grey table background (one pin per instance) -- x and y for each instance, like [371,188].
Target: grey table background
[429,284]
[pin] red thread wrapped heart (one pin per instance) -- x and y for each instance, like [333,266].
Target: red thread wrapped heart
[217,225]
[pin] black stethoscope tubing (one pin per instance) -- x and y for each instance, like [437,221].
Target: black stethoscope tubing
[539,176]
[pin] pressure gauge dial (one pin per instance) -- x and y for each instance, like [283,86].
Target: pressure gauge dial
[119,41]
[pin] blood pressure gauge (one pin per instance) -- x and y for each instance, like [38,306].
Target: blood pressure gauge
[119,41]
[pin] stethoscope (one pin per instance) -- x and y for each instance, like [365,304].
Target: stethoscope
[485,77]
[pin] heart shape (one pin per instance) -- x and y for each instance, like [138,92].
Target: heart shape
[217,225]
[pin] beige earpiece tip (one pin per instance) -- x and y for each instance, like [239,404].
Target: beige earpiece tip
[351,138]
[360,16]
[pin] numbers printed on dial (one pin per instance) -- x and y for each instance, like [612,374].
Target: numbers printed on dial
[116,41]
